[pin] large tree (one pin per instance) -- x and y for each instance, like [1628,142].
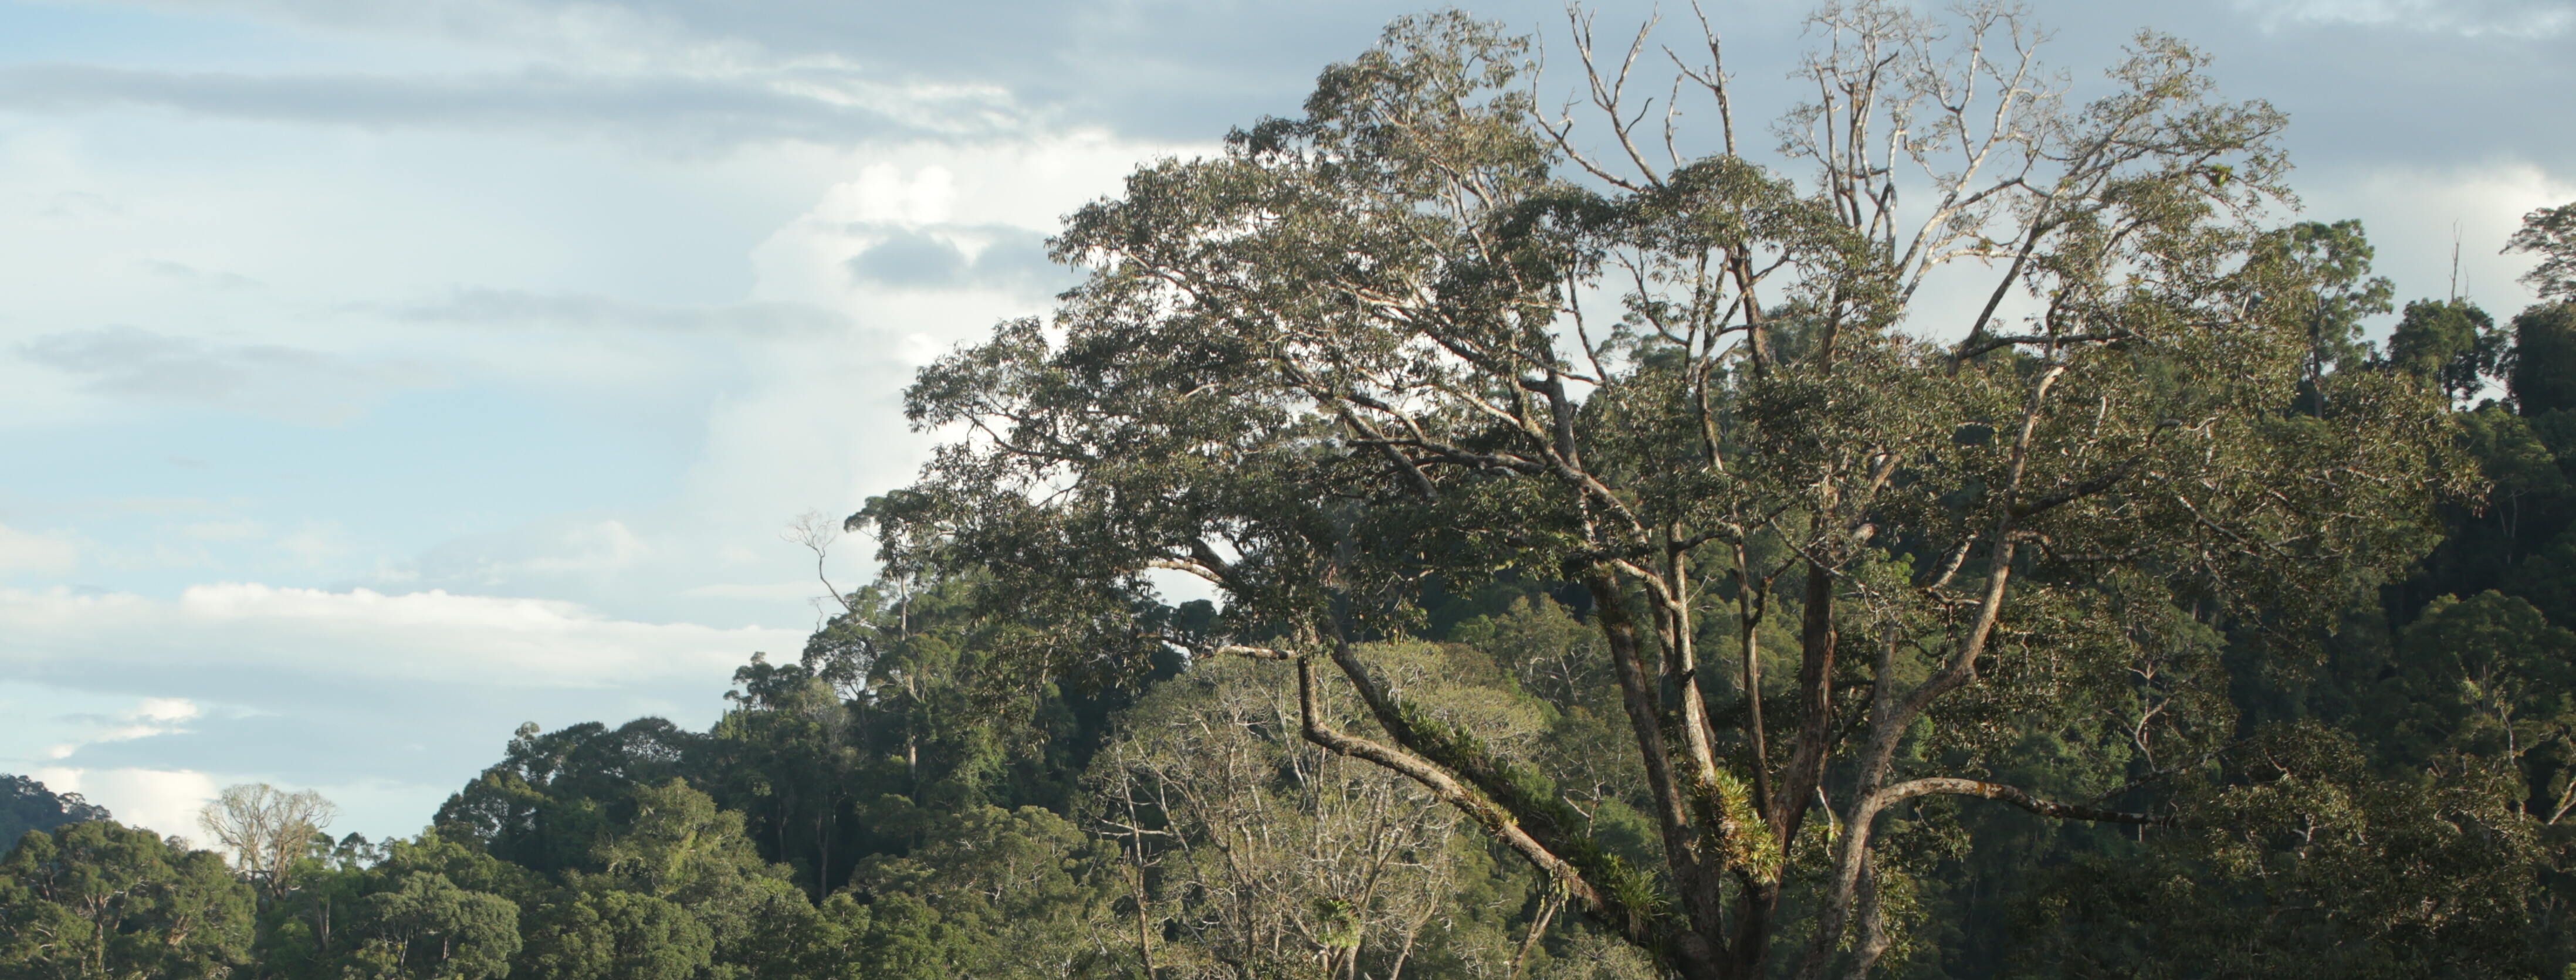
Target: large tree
[1255,854]
[2549,233]
[26,804]
[97,899]
[2013,456]
[267,829]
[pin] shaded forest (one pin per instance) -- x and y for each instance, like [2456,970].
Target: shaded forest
[2150,622]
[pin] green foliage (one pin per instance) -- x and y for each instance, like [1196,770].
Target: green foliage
[428,907]
[789,758]
[26,804]
[97,900]
[897,937]
[1020,893]
[2311,866]
[1563,645]
[2488,676]
[2543,373]
[554,796]
[618,935]
[1352,354]
[2336,291]
[426,928]
[681,849]
[2451,344]
[2417,824]
[467,867]
[2550,233]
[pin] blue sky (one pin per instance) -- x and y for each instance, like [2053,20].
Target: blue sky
[376,375]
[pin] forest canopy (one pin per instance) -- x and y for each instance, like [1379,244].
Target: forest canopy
[1963,528]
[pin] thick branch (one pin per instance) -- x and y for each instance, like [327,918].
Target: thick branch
[1809,751]
[2015,796]
[1858,830]
[1633,923]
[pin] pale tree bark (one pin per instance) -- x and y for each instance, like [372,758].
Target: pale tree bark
[266,829]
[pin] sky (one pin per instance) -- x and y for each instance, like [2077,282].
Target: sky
[379,375]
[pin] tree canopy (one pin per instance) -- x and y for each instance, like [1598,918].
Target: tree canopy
[1956,531]
[1429,331]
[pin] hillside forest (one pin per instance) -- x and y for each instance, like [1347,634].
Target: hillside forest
[1636,547]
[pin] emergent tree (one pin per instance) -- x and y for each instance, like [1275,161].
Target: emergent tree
[266,829]
[2017,453]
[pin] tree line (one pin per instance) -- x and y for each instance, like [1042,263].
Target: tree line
[1625,568]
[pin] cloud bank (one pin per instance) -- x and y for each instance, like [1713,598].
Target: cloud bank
[409,693]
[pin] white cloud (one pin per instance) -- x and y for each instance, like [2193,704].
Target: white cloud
[2472,18]
[809,419]
[168,709]
[154,716]
[884,192]
[166,801]
[47,552]
[965,197]
[555,75]
[2412,214]
[360,634]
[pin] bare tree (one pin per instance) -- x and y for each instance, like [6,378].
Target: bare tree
[266,828]
[816,533]
[1263,855]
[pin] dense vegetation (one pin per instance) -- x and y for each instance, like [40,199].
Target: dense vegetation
[26,804]
[2152,624]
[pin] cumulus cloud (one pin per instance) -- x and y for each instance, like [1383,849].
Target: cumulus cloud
[164,800]
[167,709]
[2414,215]
[996,257]
[408,693]
[938,240]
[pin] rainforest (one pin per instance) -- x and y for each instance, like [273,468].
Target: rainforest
[1961,523]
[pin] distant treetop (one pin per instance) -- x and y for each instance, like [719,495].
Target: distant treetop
[26,804]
